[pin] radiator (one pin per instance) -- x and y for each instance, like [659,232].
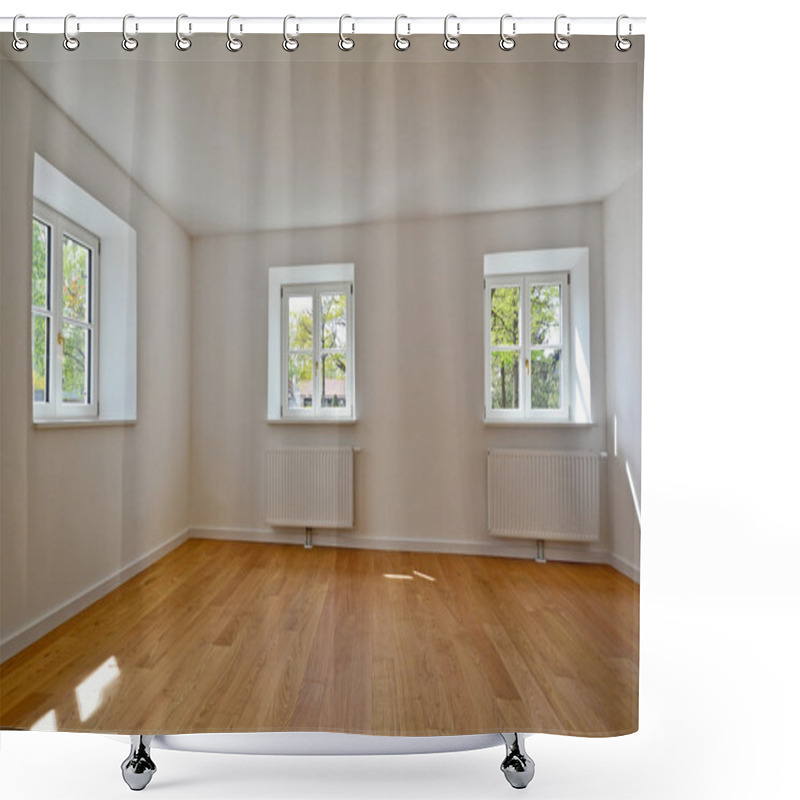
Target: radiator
[310,487]
[535,494]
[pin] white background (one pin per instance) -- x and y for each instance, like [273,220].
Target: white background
[720,603]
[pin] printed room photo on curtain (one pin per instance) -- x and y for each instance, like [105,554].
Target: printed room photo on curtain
[321,382]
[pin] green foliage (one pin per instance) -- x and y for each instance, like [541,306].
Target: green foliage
[546,378]
[75,305]
[39,337]
[301,364]
[546,314]
[41,236]
[74,372]
[300,372]
[545,364]
[39,297]
[505,315]
[75,297]
[505,379]
[333,308]
[505,330]
[334,320]
[75,266]
[300,323]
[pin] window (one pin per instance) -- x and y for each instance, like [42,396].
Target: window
[81,375]
[537,337]
[315,375]
[528,330]
[64,278]
[311,375]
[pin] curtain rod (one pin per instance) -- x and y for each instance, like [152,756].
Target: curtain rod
[407,26]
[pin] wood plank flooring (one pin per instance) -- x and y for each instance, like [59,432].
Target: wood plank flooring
[224,636]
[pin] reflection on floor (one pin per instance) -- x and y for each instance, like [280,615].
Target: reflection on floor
[222,636]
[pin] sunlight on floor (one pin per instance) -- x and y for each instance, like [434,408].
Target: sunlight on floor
[419,574]
[89,694]
[46,723]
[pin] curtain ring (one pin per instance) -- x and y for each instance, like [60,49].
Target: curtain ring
[70,42]
[233,44]
[507,42]
[623,45]
[18,43]
[129,43]
[181,41]
[345,43]
[560,42]
[290,43]
[451,42]
[401,42]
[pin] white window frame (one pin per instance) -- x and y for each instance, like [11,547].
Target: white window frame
[525,282]
[54,407]
[316,412]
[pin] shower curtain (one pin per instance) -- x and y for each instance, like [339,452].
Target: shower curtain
[365,293]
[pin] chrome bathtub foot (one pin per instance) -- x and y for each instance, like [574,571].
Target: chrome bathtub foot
[138,768]
[517,766]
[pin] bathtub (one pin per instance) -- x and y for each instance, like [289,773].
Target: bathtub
[139,767]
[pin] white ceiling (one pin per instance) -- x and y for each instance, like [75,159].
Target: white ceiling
[238,145]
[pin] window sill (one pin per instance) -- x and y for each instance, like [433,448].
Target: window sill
[315,421]
[83,423]
[536,423]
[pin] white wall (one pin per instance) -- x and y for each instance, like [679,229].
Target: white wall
[421,472]
[622,224]
[78,505]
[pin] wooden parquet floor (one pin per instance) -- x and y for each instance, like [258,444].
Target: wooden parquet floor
[234,636]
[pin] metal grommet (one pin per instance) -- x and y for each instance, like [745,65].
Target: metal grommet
[129,42]
[290,43]
[18,43]
[345,43]
[560,42]
[507,41]
[233,44]
[623,45]
[451,42]
[401,42]
[181,41]
[70,42]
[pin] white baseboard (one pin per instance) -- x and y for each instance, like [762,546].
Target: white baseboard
[243,534]
[624,566]
[20,639]
[495,547]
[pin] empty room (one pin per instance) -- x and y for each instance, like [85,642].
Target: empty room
[320,381]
